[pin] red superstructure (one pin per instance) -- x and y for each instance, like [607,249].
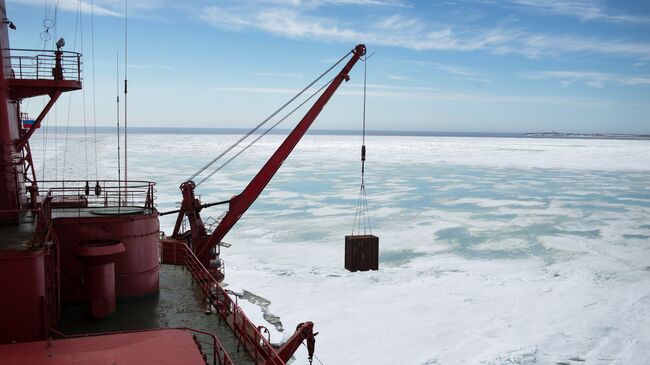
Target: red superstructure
[96,244]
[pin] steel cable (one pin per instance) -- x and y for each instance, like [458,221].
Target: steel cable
[92,36]
[362,215]
[206,166]
[265,133]
[314,355]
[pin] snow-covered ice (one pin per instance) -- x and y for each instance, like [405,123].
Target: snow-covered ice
[492,250]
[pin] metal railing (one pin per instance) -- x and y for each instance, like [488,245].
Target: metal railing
[48,239]
[227,308]
[100,193]
[34,64]
[218,353]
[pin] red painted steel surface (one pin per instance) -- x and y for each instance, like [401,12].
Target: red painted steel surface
[136,269]
[98,259]
[22,302]
[168,346]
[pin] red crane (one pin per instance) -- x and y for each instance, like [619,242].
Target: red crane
[205,245]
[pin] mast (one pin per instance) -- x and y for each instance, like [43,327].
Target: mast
[126,129]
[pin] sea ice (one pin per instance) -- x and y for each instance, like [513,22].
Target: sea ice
[493,250]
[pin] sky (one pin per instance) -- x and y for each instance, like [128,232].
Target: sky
[459,66]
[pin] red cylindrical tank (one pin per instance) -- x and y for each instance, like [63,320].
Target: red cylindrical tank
[22,307]
[136,269]
[98,258]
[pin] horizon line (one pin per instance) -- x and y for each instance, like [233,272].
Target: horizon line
[375,132]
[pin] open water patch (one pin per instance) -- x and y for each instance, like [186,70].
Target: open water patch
[264,304]
[399,257]
[487,244]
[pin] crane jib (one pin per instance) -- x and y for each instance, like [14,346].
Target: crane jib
[240,203]
[263,177]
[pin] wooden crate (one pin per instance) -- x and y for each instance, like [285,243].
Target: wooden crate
[361,253]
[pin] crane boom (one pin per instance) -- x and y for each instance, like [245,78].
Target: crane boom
[240,203]
[206,245]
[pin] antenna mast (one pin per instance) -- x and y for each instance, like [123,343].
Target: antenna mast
[119,157]
[126,130]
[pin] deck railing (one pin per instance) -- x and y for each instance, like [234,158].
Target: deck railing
[34,64]
[248,335]
[100,193]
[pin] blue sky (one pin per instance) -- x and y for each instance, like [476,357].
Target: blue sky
[464,65]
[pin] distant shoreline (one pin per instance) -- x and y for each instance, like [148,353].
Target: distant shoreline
[588,135]
[338,132]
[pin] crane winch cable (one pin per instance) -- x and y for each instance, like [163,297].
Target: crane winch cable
[117,117]
[67,125]
[265,133]
[362,215]
[92,36]
[206,166]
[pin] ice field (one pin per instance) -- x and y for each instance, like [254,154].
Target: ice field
[492,250]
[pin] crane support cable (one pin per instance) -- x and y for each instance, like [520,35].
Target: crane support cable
[258,126]
[265,133]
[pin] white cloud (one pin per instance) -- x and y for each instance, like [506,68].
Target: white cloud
[584,10]
[99,7]
[452,70]
[397,77]
[537,45]
[225,18]
[282,75]
[392,92]
[83,6]
[412,33]
[386,3]
[590,78]
[398,22]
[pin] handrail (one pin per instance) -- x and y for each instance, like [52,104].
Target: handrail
[254,342]
[100,193]
[34,64]
[45,233]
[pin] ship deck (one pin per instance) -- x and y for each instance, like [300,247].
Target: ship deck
[16,236]
[178,304]
[167,346]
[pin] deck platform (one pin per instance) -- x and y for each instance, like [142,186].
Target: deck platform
[178,304]
[167,346]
